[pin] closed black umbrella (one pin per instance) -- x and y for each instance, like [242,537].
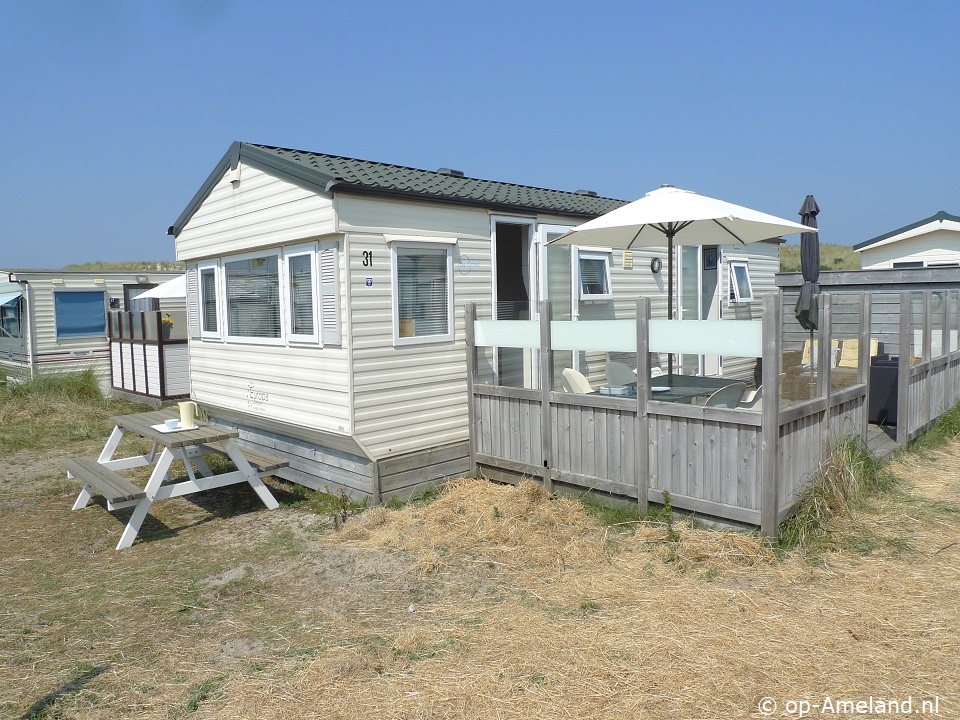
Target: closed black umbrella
[806,308]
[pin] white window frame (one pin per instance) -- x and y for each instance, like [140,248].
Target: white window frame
[734,289]
[603,256]
[286,292]
[225,314]
[218,292]
[425,244]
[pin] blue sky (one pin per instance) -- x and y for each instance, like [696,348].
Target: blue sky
[115,111]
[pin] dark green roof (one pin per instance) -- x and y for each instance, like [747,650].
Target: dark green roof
[941,216]
[333,173]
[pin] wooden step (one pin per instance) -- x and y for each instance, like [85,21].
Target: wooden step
[261,462]
[115,488]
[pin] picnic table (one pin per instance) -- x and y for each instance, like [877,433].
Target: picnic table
[100,475]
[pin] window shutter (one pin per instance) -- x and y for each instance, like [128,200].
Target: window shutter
[330,294]
[193,302]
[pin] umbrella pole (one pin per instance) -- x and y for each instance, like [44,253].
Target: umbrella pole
[670,300]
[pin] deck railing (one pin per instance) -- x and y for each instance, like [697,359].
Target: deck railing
[148,353]
[743,465]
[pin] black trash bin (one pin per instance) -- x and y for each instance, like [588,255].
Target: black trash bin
[884,376]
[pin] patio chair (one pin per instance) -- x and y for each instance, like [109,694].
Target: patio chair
[575,382]
[752,400]
[619,373]
[727,397]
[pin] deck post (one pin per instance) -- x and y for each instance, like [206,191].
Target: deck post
[927,357]
[642,427]
[470,317]
[952,325]
[770,430]
[903,370]
[863,361]
[825,361]
[546,387]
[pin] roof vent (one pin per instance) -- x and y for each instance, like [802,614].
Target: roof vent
[450,171]
[588,193]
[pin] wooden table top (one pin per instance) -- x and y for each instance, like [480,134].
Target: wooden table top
[140,423]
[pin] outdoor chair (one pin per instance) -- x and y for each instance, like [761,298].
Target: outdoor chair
[727,397]
[752,400]
[575,382]
[619,373]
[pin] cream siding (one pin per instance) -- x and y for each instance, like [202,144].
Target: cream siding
[305,386]
[941,246]
[410,397]
[764,263]
[357,214]
[258,211]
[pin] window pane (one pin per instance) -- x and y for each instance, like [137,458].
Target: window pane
[253,297]
[208,293]
[80,314]
[742,279]
[593,276]
[301,294]
[10,318]
[422,292]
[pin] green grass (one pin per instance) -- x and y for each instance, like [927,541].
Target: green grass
[946,429]
[832,257]
[56,409]
[848,478]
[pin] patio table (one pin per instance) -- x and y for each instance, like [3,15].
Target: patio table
[682,388]
[188,445]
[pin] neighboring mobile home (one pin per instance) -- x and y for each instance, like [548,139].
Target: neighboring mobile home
[326,295]
[56,320]
[928,243]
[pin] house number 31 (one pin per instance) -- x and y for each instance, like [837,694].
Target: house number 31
[368,258]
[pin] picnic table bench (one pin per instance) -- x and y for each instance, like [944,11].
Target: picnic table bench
[189,445]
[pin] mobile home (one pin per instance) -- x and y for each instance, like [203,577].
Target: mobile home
[326,298]
[56,320]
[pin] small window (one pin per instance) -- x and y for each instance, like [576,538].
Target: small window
[423,293]
[209,314]
[595,276]
[301,295]
[80,314]
[911,264]
[741,290]
[10,308]
[253,297]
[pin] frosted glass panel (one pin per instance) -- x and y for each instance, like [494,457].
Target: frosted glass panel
[601,335]
[508,333]
[740,338]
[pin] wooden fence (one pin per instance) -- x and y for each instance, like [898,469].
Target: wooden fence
[742,465]
[146,357]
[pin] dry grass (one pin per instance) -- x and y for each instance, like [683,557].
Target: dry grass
[489,602]
[578,623]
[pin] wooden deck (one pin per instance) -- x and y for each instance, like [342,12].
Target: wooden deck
[736,464]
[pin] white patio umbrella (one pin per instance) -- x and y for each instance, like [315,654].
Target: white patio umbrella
[671,216]
[176,288]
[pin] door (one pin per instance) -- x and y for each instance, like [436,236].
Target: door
[698,297]
[514,295]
